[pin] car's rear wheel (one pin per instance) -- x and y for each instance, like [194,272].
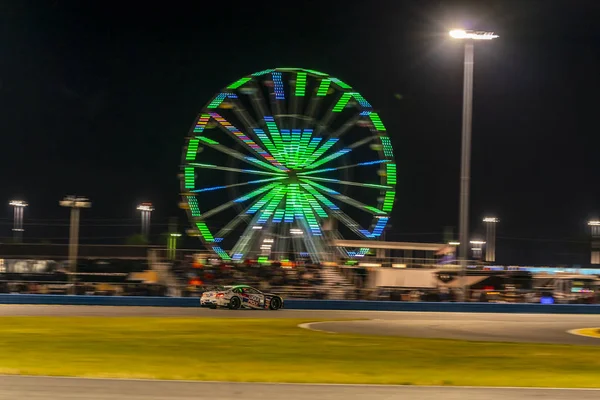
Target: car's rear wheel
[275,303]
[235,303]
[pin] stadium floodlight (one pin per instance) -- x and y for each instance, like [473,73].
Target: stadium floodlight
[473,35]
[146,209]
[19,206]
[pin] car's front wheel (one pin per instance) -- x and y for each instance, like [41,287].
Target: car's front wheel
[235,303]
[275,303]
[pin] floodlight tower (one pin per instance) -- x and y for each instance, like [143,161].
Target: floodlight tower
[146,210]
[19,207]
[490,238]
[75,203]
[469,37]
[595,232]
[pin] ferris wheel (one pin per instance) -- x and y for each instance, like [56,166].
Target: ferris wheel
[284,161]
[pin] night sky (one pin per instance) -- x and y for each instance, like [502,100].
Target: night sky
[96,100]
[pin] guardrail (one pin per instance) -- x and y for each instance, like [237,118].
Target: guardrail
[334,305]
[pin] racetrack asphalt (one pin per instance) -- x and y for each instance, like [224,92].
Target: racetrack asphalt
[534,328]
[37,388]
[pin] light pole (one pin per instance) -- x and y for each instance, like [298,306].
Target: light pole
[490,238]
[75,204]
[595,232]
[19,206]
[467,115]
[146,210]
[477,250]
[172,245]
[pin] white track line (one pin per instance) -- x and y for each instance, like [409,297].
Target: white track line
[309,327]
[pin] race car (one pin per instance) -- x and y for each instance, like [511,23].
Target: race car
[244,296]
[208,298]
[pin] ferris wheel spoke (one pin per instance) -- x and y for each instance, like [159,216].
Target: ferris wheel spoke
[341,182]
[316,98]
[313,153]
[319,171]
[341,152]
[241,199]
[240,156]
[346,127]
[242,245]
[231,225]
[251,126]
[210,189]
[250,144]
[231,169]
[338,196]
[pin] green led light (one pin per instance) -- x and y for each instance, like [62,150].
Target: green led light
[193,204]
[256,192]
[329,158]
[189,178]
[315,205]
[276,136]
[205,232]
[323,87]
[319,152]
[206,140]
[301,84]
[342,102]
[319,196]
[239,83]
[263,72]
[375,210]
[192,149]
[262,259]
[388,201]
[377,121]
[304,145]
[387,146]
[219,99]
[391,174]
[341,84]
[312,71]
[264,200]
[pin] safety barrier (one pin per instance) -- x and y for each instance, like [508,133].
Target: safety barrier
[339,305]
[133,301]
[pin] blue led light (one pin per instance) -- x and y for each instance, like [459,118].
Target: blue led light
[237,256]
[365,112]
[208,189]
[365,232]
[373,162]
[379,227]
[218,240]
[279,93]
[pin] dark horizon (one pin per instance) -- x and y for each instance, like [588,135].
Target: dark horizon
[96,101]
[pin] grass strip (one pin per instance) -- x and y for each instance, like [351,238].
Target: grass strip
[276,350]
